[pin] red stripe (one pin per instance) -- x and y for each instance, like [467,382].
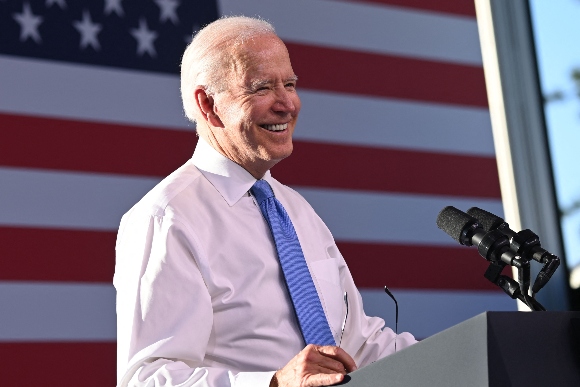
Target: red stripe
[93,147]
[89,256]
[58,364]
[122,149]
[343,71]
[390,170]
[457,7]
[33,254]
[416,267]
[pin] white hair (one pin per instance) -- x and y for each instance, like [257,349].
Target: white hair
[205,61]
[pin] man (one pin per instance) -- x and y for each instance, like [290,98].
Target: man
[202,299]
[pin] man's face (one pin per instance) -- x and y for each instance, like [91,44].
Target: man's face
[260,107]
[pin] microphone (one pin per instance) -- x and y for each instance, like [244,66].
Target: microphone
[489,221]
[459,226]
[396,314]
[525,244]
[493,245]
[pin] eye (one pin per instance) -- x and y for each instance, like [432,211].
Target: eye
[262,89]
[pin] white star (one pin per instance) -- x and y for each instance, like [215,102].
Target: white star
[167,10]
[88,31]
[61,3]
[28,24]
[145,38]
[114,6]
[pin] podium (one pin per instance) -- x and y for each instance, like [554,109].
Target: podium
[492,349]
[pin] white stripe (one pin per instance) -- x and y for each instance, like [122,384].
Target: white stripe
[77,91]
[67,199]
[33,311]
[388,217]
[378,122]
[368,27]
[57,312]
[97,201]
[426,312]
[119,96]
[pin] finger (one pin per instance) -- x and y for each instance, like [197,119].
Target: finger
[317,358]
[316,369]
[339,355]
[327,365]
[323,379]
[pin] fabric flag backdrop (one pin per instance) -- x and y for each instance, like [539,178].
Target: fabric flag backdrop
[394,127]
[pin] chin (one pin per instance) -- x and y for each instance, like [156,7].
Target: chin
[281,153]
[276,152]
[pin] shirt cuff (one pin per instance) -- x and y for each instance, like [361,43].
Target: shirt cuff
[254,379]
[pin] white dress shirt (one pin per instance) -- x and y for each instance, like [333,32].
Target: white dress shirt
[201,298]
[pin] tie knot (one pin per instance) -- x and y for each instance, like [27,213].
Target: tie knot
[262,191]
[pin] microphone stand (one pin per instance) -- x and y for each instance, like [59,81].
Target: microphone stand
[514,289]
[527,247]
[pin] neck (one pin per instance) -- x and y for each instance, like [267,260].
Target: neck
[256,168]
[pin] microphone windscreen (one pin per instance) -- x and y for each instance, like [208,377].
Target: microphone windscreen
[486,220]
[453,221]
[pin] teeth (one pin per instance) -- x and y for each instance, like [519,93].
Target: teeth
[275,128]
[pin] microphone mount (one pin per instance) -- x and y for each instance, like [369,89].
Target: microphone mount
[525,244]
[501,247]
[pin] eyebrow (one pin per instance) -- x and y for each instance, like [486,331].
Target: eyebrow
[256,84]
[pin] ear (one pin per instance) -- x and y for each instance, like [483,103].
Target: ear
[206,105]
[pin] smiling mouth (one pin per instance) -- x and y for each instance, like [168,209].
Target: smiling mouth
[275,128]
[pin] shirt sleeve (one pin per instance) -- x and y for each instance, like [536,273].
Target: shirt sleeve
[164,310]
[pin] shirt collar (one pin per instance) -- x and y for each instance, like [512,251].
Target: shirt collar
[230,179]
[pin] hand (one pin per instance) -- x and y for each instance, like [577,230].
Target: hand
[315,366]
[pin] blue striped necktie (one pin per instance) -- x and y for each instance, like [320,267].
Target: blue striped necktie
[311,317]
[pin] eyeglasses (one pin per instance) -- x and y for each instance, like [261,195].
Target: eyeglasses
[396,316]
[345,317]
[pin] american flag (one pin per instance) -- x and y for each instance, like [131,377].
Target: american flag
[394,127]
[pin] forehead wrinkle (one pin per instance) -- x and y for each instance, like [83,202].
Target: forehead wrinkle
[243,66]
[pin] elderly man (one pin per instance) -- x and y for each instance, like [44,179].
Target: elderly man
[224,276]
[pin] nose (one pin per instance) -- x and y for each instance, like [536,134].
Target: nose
[287,101]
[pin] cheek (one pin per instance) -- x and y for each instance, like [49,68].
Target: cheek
[234,114]
[250,109]
[259,112]
[236,118]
